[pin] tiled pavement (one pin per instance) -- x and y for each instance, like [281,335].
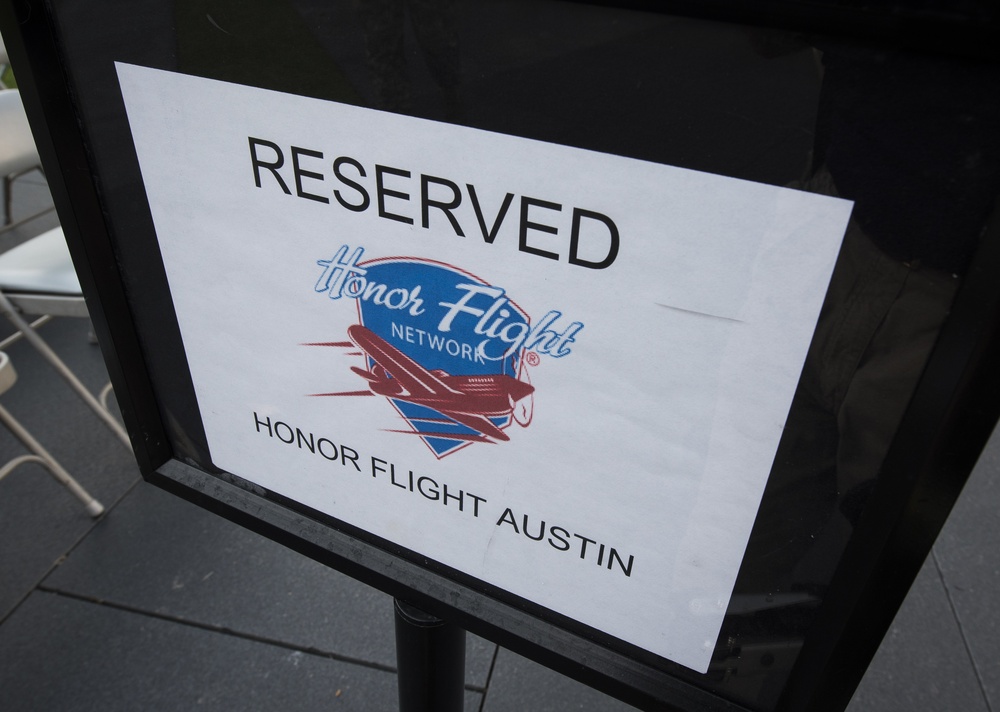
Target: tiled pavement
[159,605]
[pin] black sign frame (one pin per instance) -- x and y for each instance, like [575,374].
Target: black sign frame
[952,414]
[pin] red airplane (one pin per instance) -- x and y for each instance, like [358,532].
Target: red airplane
[469,400]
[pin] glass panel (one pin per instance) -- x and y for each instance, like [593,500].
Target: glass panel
[913,139]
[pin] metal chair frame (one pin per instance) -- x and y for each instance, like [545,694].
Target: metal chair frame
[39,454]
[16,301]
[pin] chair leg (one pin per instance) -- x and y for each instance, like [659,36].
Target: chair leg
[49,355]
[42,456]
[8,192]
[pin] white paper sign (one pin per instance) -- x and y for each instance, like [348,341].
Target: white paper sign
[561,372]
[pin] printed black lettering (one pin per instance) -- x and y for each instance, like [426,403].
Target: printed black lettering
[266,423]
[301,438]
[583,545]
[365,199]
[392,480]
[508,518]
[541,529]
[305,440]
[457,497]
[445,206]
[299,172]
[319,446]
[381,192]
[574,239]
[523,245]
[614,556]
[432,493]
[277,431]
[561,540]
[490,235]
[348,454]
[273,166]
[475,506]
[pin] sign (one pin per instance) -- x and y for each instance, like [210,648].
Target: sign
[561,372]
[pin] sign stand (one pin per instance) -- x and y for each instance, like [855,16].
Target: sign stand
[430,656]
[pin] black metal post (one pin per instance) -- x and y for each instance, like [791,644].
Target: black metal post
[430,656]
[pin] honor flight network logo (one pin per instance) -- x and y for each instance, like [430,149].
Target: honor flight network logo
[448,350]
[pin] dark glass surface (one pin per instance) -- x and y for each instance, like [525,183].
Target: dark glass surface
[911,136]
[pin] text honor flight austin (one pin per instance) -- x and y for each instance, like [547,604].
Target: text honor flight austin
[380,470]
[358,199]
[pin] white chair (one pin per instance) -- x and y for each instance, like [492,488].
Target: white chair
[8,376]
[37,278]
[4,61]
[18,155]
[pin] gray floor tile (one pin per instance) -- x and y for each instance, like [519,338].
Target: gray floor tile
[58,653]
[968,553]
[39,519]
[158,553]
[47,405]
[518,684]
[923,663]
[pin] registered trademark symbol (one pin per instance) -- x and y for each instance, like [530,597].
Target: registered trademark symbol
[531,358]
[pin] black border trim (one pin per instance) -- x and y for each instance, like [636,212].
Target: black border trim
[948,422]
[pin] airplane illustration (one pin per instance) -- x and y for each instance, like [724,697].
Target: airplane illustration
[468,400]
